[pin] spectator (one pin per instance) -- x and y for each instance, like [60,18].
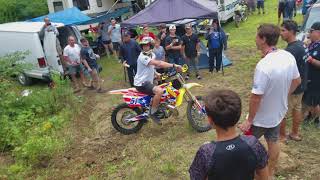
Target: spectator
[162,34]
[114,31]
[290,10]
[71,54]
[251,6]
[231,156]
[289,29]
[105,37]
[160,55]
[217,41]
[47,28]
[275,77]
[146,33]
[89,59]
[173,46]
[260,5]
[281,8]
[129,53]
[312,95]
[191,50]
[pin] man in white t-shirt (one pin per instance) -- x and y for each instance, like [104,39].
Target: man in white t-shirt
[143,80]
[276,76]
[71,55]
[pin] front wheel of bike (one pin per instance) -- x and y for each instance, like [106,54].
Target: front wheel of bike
[119,116]
[197,119]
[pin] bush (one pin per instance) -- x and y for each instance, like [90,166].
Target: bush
[30,125]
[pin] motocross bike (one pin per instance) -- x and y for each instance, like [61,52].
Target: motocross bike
[130,116]
[240,13]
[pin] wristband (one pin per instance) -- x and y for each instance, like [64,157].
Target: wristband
[173,66]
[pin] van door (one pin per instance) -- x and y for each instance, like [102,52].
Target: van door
[50,51]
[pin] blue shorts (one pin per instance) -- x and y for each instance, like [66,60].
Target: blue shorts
[75,69]
[93,66]
[260,4]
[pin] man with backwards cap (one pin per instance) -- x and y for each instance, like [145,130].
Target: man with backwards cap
[173,46]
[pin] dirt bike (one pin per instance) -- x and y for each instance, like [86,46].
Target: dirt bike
[241,13]
[130,116]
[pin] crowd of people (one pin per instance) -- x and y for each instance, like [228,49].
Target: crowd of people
[285,84]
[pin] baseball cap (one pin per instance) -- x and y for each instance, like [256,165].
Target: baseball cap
[126,34]
[315,26]
[162,26]
[187,26]
[172,27]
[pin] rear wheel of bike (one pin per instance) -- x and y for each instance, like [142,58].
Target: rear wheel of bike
[120,114]
[197,119]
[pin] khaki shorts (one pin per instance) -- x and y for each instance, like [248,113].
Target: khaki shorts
[295,102]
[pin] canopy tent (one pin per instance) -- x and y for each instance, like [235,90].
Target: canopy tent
[166,11]
[67,17]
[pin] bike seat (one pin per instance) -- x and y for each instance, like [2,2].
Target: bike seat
[136,92]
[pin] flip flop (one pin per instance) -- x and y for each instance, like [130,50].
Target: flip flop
[298,138]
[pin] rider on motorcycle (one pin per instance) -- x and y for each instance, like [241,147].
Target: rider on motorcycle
[143,80]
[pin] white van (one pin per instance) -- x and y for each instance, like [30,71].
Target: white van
[24,37]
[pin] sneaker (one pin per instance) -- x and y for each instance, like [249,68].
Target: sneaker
[155,118]
[187,77]
[198,77]
[101,90]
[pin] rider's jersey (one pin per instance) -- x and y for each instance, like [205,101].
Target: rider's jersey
[145,72]
[235,159]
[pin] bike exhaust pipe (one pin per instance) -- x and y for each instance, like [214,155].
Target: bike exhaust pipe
[173,110]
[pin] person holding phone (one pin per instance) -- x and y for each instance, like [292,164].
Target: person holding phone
[114,31]
[173,46]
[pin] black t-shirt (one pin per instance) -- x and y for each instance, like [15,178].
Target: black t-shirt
[234,159]
[162,41]
[314,72]
[88,54]
[297,49]
[190,43]
[171,52]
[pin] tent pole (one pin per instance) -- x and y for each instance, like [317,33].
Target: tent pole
[112,6]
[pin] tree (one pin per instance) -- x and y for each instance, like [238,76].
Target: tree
[20,10]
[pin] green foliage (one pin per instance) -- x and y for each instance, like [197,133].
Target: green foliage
[30,125]
[11,64]
[17,10]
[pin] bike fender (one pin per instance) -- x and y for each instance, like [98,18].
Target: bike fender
[191,85]
[179,100]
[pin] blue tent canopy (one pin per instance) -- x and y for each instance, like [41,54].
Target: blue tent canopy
[67,17]
[107,16]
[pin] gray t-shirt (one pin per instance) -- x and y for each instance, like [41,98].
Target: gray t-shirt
[145,72]
[115,33]
[103,31]
[159,52]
